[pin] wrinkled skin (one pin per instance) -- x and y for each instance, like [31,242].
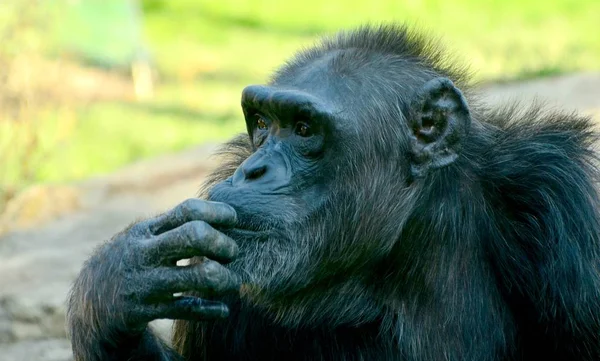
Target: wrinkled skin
[141,276]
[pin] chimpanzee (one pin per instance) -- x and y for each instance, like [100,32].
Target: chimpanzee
[376,210]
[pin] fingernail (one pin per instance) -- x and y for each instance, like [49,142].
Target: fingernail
[216,310]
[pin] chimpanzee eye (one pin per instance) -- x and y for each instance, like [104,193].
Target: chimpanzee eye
[261,124]
[303,129]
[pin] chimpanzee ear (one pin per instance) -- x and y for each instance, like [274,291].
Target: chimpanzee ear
[439,122]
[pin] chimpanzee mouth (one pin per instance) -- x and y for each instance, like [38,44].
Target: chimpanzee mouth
[252,227]
[247,234]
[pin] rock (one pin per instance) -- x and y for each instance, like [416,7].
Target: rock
[571,91]
[30,318]
[45,350]
[38,204]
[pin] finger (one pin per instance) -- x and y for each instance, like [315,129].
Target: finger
[194,209]
[207,278]
[189,308]
[194,238]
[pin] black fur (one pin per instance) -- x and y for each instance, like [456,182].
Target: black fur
[503,245]
[492,257]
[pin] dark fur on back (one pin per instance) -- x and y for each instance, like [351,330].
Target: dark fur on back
[542,183]
[497,259]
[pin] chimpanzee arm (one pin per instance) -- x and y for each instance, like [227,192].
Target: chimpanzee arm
[133,280]
[145,346]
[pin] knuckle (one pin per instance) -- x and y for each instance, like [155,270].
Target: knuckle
[133,231]
[146,249]
[146,252]
[181,209]
[210,267]
[137,227]
[185,205]
[198,230]
[213,274]
[144,245]
[134,237]
[118,249]
[189,205]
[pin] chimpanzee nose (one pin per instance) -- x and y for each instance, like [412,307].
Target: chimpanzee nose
[264,170]
[253,171]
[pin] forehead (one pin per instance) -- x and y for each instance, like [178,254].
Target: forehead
[349,78]
[316,78]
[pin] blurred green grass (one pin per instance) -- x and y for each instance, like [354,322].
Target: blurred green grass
[501,39]
[205,51]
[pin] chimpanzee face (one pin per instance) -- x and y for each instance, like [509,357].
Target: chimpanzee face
[326,182]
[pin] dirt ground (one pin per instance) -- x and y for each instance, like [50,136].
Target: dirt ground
[49,231]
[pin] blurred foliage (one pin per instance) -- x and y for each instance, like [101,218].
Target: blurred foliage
[67,108]
[32,119]
[108,32]
[501,39]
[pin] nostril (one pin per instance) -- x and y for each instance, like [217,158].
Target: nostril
[251,173]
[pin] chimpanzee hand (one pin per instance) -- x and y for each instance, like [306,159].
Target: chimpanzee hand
[132,280]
